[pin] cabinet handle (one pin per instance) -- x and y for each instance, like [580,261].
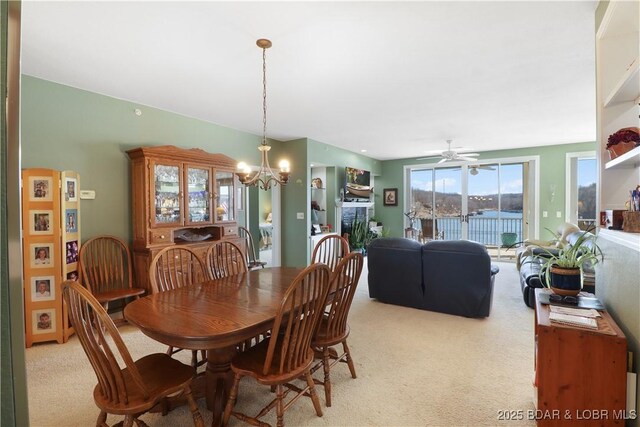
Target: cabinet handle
[162,236]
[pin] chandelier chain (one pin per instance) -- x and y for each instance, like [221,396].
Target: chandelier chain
[264,96]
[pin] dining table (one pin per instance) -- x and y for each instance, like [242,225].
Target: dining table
[216,316]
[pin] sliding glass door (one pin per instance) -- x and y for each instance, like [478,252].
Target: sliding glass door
[483,202]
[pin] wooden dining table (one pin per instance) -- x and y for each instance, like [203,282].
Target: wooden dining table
[215,316]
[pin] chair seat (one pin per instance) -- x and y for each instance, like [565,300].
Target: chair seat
[153,370]
[117,294]
[321,339]
[251,362]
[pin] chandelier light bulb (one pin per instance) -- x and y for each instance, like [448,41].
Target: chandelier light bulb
[284,166]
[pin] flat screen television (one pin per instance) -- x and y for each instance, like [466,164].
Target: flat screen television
[357,185]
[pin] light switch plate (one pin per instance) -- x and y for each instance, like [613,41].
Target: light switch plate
[300,215]
[558,214]
[545,214]
[87,194]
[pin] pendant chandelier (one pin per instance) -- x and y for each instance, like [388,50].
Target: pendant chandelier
[265,176]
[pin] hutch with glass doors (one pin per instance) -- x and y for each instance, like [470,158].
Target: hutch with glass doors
[180,196]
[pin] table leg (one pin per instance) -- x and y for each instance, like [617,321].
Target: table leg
[218,380]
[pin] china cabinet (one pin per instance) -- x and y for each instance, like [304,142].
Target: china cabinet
[180,196]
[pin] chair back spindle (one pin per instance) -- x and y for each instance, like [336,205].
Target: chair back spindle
[297,319]
[225,259]
[97,334]
[105,264]
[344,281]
[174,267]
[253,260]
[330,250]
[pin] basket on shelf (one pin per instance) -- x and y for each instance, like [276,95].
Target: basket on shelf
[624,140]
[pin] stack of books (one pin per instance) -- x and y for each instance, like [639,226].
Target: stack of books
[579,317]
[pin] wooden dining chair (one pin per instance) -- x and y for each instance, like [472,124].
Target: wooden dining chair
[140,385]
[333,328]
[174,267]
[106,270]
[225,259]
[253,261]
[287,354]
[330,250]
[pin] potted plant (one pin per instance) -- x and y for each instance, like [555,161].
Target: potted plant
[360,235]
[561,269]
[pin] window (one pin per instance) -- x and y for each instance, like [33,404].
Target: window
[581,189]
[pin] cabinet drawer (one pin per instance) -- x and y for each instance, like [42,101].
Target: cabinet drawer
[157,237]
[230,230]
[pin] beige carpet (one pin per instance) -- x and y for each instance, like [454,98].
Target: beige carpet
[415,368]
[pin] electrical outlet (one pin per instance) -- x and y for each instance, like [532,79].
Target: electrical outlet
[300,215]
[558,214]
[545,214]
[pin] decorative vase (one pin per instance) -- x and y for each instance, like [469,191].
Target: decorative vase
[565,281]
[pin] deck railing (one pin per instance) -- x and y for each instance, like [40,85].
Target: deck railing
[488,231]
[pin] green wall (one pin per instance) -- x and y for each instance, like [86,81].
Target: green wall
[67,128]
[552,171]
[294,199]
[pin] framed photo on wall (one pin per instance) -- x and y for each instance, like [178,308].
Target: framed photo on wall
[41,255]
[390,197]
[43,288]
[70,190]
[43,321]
[41,222]
[40,189]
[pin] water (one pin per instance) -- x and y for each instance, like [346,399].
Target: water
[485,228]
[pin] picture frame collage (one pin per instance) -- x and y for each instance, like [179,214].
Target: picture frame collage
[51,222]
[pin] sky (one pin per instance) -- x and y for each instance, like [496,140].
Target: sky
[485,182]
[586,172]
[449,180]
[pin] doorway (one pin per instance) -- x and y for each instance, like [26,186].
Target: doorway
[259,212]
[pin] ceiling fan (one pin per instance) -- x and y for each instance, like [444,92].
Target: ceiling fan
[473,170]
[449,155]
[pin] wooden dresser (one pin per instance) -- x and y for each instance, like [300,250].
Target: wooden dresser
[180,196]
[580,374]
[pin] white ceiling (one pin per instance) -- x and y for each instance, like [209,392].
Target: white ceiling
[394,78]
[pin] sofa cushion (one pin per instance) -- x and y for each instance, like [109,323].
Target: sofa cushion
[457,278]
[395,271]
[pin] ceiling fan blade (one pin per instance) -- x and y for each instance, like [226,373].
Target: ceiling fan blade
[442,161]
[465,157]
[428,158]
[488,168]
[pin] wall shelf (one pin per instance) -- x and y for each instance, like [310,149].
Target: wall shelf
[628,87]
[628,160]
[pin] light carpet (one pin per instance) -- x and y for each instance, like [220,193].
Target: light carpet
[415,368]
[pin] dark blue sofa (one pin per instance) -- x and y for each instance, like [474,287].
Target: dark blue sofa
[454,277]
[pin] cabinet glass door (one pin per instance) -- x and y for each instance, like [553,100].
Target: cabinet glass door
[166,185]
[225,203]
[198,195]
